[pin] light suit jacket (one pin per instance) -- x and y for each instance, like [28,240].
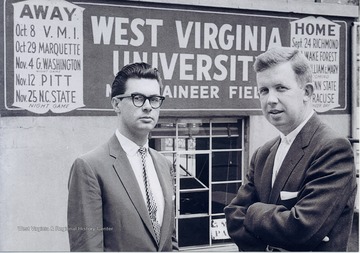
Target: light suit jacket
[313,195]
[106,210]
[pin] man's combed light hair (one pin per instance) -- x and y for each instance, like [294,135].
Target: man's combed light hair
[279,55]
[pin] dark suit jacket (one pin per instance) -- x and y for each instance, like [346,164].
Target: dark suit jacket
[106,211]
[320,168]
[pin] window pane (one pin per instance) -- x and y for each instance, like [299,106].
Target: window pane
[219,232]
[194,202]
[226,129]
[189,144]
[226,143]
[193,129]
[222,194]
[226,166]
[195,166]
[194,232]
[163,130]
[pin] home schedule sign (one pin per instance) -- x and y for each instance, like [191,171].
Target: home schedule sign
[60,57]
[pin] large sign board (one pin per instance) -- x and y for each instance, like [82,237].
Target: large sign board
[60,57]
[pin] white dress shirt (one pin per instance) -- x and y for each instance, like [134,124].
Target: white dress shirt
[284,147]
[132,151]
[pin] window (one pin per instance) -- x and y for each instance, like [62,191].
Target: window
[208,160]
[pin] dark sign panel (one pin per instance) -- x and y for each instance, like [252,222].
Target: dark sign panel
[60,57]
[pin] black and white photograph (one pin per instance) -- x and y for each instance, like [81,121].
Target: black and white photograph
[179,125]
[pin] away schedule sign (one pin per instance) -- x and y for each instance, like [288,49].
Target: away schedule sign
[60,57]
[48,57]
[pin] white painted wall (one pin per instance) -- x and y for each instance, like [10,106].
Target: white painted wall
[36,154]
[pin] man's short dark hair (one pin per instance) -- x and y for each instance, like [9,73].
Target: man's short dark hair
[134,70]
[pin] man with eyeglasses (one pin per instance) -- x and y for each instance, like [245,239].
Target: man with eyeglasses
[121,195]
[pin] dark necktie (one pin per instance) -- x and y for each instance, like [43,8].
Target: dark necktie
[151,204]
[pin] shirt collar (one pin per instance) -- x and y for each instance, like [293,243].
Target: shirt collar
[130,147]
[288,139]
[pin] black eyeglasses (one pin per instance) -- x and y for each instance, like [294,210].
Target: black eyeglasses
[139,100]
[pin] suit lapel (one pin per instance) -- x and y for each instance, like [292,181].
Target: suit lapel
[267,173]
[127,178]
[167,192]
[293,157]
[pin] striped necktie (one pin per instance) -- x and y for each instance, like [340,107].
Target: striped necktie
[151,204]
